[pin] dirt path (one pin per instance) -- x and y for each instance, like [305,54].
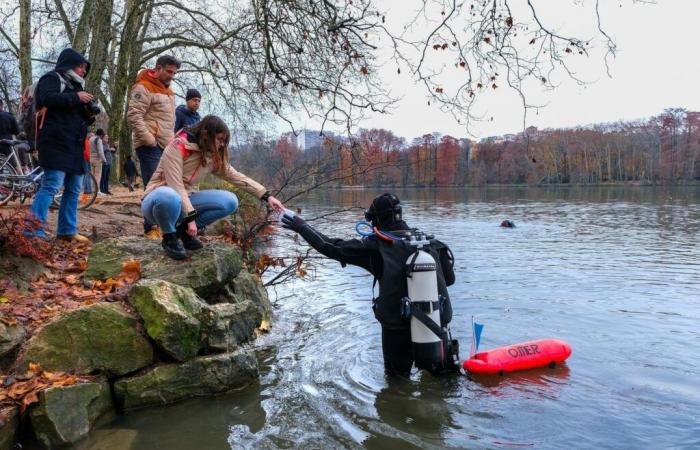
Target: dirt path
[110,215]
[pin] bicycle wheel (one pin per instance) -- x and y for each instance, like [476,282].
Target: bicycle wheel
[86,198]
[7,186]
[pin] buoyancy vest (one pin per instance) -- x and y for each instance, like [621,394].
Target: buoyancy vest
[393,287]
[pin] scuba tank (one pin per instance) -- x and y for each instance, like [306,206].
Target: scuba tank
[433,347]
[421,280]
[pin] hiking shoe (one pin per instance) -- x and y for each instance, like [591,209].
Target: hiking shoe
[190,243]
[153,233]
[172,246]
[79,238]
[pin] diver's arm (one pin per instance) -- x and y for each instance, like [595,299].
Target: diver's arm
[352,251]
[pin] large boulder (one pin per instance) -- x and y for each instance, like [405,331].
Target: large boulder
[9,425]
[206,270]
[246,286]
[232,324]
[200,377]
[174,316]
[100,338]
[10,337]
[67,413]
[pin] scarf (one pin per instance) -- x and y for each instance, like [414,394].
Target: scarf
[72,76]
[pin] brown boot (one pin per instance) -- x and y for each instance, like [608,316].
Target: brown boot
[73,238]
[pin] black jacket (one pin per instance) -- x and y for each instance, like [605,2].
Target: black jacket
[61,138]
[386,262]
[130,168]
[8,125]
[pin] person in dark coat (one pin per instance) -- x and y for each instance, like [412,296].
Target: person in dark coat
[8,125]
[186,115]
[8,129]
[64,111]
[130,171]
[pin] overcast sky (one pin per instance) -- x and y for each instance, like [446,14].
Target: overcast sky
[657,66]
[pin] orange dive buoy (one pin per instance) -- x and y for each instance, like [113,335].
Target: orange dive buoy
[511,358]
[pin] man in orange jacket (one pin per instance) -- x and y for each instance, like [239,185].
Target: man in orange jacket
[151,115]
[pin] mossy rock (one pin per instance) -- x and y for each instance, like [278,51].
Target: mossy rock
[9,426]
[174,316]
[66,414]
[246,287]
[100,338]
[200,377]
[10,337]
[206,270]
[232,324]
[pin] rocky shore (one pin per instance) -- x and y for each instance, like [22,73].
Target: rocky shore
[184,330]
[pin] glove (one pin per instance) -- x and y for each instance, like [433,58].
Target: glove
[293,222]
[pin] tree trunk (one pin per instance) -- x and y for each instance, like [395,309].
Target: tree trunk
[99,46]
[25,43]
[85,26]
[127,66]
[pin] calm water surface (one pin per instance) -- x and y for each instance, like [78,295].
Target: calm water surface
[614,271]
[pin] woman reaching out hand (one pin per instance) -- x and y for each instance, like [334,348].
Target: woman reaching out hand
[169,200]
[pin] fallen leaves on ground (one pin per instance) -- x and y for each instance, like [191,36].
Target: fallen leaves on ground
[63,288]
[23,389]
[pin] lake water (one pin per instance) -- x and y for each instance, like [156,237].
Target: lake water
[613,271]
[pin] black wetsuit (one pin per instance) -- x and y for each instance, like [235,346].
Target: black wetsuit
[386,262]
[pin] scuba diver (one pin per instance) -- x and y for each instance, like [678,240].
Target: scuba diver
[413,271]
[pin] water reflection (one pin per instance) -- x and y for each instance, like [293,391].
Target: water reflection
[543,381]
[414,414]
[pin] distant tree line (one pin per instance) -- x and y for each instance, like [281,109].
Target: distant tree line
[664,149]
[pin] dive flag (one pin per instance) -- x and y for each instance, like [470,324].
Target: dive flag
[477,328]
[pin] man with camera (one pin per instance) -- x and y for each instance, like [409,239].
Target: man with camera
[151,115]
[64,112]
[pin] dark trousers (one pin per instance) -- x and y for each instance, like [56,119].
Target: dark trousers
[149,157]
[104,179]
[398,351]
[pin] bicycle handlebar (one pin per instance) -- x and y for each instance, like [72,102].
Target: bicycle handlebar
[13,141]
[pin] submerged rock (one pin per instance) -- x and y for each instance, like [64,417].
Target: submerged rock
[174,316]
[109,439]
[233,324]
[206,270]
[67,413]
[204,376]
[98,338]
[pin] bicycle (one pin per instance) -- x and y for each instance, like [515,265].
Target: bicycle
[21,178]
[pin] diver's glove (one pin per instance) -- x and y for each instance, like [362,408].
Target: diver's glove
[293,222]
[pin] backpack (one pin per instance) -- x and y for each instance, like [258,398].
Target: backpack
[31,120]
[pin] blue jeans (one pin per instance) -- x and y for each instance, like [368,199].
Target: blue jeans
[87,181]
[163,207]
[68,211]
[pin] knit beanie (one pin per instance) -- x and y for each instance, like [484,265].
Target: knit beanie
[192,93]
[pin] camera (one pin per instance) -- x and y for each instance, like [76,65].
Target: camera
[93,107]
